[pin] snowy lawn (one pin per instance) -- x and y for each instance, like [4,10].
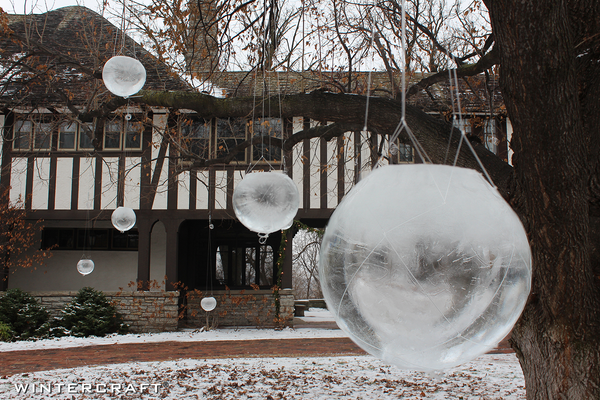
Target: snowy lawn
[492,376]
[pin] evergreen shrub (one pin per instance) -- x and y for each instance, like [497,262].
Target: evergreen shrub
[6,333]
[23,314]
[89,314]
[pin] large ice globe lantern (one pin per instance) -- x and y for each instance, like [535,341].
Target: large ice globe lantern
[266,202]
[123,76]
[123,218]
[85,266]
[208,303]
[425,266]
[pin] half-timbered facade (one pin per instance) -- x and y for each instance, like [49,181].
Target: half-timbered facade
[73,174]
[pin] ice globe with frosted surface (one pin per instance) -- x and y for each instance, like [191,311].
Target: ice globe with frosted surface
[85,266]
[208,303]
[123,218]
[266,202]
[123,76]
[425,266]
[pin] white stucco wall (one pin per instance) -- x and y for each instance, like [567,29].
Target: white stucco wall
[112,269]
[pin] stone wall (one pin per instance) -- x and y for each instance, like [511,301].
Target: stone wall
[241,308]
[143,311]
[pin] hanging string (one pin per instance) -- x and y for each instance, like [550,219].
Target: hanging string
[454,78]
[86,235]
[283,162]
[209,280]
[402,125]
[369,82]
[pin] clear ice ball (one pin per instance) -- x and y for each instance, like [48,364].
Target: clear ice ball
[123,76]
[266,202]
[85,266]
[123,218]
[208,303]
[425,266]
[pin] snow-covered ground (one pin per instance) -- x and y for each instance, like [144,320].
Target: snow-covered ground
[492,376]
[191,335]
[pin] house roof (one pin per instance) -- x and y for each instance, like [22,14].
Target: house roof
[61,53]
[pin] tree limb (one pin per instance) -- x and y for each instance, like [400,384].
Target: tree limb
[484,63]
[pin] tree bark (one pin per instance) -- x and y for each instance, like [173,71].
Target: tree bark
[545,73]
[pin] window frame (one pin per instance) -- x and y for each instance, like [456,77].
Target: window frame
[37,124]
[233,272]
[123,122]
[75,135]
[76,237]
[92,126]
[260,156]
[242,157]
[17,139]
[185,139]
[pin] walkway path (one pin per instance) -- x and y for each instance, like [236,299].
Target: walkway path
[23,361]
[16,362]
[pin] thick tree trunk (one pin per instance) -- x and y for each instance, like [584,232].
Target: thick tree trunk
[545,79]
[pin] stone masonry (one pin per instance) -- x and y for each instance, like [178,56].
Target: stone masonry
[241,308]
[143,311]
[159,311]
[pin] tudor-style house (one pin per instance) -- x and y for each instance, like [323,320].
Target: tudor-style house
[73,172]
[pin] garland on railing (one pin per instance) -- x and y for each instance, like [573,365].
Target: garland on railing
[282,248]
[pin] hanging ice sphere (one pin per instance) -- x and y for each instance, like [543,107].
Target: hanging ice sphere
[288,225]
[208,303]
[425,266]
[85,266]
[123,76]
[266,202]
[123,218]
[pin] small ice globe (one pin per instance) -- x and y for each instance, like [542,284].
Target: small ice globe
[266,202]
[123,218]
[425,266]
[208,303]
[85,266]
[123,76]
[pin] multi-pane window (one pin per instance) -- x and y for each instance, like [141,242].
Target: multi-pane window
[490,135]
[122,132]
[195,136]
[112,134]
[89,239]
[405,153]
[67,135]
[244,264]
[465,124]
[402,153]
[37,134]
[32,133]
[22,135]
[230,133]
[42,135]
[86,133]
[267,128]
